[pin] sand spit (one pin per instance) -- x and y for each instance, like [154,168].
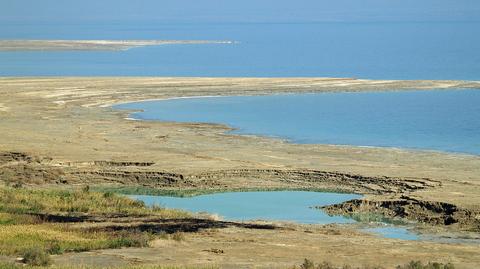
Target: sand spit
[89,45]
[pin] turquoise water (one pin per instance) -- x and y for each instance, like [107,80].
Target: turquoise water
[444,120]
[292,206]
[395,233]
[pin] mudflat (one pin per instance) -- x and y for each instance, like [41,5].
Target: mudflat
[62,132]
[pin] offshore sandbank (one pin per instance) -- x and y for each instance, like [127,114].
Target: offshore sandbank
[94,45]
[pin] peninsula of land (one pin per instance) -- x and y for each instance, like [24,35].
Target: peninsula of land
[93,45]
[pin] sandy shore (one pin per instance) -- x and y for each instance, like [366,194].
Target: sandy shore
[62,132]
[89,45]
[68,120]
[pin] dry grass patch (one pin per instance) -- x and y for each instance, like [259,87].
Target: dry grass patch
[21,201]
[17,266]
[23,228]
[60,238]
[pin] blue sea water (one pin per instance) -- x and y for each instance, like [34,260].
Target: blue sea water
[374,50]
[442,120]
[375,39]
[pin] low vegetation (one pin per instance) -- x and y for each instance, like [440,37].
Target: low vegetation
[36,257]
[430,265]
[25,201]
[309,264]
[27,233]
[17,266]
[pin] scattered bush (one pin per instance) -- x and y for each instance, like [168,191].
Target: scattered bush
[86,188]
[178,236]
[108,194]
[308,264]
[430,265]
[36,257]
[163,235]
[55,248]
[130,239]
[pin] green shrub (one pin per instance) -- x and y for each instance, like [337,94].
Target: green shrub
[307,264]
[36,257]
[130,239]
[430,265]
[108,194]
[55,248]
[86,188]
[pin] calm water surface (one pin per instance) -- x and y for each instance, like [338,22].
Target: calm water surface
[291,206]
[376,39]
[375,50]
[444,120]
[277,205]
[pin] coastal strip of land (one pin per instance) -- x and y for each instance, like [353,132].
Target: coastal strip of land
[94,45]
[70,121]
[63,134]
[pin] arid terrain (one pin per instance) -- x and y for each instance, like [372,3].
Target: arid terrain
[62,133]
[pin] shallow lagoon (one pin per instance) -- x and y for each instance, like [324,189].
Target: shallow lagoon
[290,206]
[443,120]
[295,206]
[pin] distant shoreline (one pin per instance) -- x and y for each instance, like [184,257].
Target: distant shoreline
[233,130]
[94,45]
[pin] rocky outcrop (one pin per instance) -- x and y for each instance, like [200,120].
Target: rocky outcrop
[357,183]
[20,168]
[15,166]
[289,177]
[429,212]
[7,157]
[152,179]
[122,164]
